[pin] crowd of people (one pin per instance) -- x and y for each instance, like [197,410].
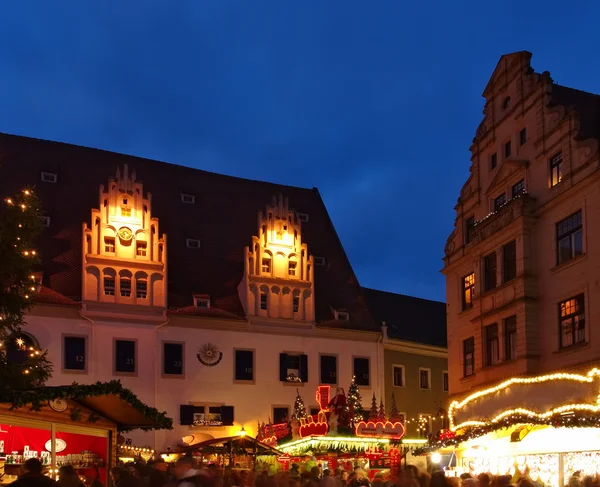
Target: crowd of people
[187,473]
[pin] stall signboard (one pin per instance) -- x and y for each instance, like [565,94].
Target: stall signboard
[285,460]
[380,429]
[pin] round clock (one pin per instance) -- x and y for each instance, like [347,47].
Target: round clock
[125,233]
[58,405]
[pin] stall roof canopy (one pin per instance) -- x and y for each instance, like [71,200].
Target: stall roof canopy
[108,399]
[235,444]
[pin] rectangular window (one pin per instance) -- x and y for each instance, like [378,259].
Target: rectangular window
[201,302]
[469,228]
[523,136]
[45,221]
[556,174]
[125,356]
[468,291]
[499,202]
[192,243]
[445,382]
[263,301]
[303,217]
[509,261]
[109,286]
[342,316]
[266,266]
[49,177]
[489,272]
[141,289]
[125,287]
[109,245]
[510,338]
[494,160]
[569,237]
[125,211]
[492,344]
[572,321]
[469,357]
[296,303]
[398,372]
[244,365]
[172,358]
[518,188]
[292,268]
[74,353]
[362,371]
[507,149]
[314,411]
[140,249]
[280,414]
[328,369]
[188,198]
[425,378]
[319,261]
[293,367]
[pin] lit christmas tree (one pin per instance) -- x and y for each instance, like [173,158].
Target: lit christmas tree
[381,416]
[394,413]
[355,408]
[22,366]
[374,412]
[299,408]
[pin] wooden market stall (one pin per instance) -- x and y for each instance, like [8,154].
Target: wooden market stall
[70,425]
[233,450]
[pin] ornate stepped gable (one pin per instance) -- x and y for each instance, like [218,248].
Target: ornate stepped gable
[124,258]
[278,277]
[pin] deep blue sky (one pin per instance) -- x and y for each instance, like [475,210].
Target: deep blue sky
[375,103]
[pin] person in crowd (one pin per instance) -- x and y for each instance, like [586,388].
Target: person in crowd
[424,479]
[188,475]
[378,480]
[67,477]
[456,482]
[33,476]
[484,480]
[121,477]
[439,479]
[157,476]
[327,479]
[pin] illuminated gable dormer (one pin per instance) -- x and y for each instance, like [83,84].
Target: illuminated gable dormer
[124,256]
[278,272]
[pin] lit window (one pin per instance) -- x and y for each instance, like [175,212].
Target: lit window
[468,291]
[141,289]
[125,287]
[296,304]
[109,286]
[188,198]
[425,378]
[140,249]
[125,211]
[569,237]
[263,300]
[292,268]
[556,169]
[572,321]
[49,177]
[109,245]
[192,243]
[266,265]
[492,345]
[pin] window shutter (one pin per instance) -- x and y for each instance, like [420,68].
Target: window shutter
[227,415]
[303,368]
[282,367]
[186,414]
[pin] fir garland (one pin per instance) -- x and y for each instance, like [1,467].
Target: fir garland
[579,419]
[37,397]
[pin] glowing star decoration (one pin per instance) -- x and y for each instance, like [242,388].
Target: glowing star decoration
[553,379]
[380,429]
[20,343]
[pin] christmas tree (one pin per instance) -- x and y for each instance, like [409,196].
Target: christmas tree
[354,404]
[394,413]
[22,366]
[299,408]
[381,416]
[374,412]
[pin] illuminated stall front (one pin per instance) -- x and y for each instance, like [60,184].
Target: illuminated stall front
[544,427]
[69,425]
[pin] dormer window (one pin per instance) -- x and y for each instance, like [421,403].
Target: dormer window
[202,302]
[192,243]
[342,316]
[140,249]
[45,221]
[303,217]
[49,177]
[109,245]
[266,265]
[190,199]
[292,268]
[319,261]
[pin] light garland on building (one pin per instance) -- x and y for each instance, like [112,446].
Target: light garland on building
[136,449]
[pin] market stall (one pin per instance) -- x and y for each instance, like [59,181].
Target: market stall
[70,425]
[241,451]
[545,428]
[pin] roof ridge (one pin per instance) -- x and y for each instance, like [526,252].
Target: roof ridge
[404,295]
[577,90]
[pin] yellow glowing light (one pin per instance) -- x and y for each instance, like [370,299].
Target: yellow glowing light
[588,378]
[242,432]
[313,441]
[436,457]
[27,192]
[33,252]
[9,201]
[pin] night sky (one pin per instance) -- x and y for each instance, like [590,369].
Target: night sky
[375,103]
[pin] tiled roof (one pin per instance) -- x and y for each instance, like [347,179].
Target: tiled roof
[46,295]
[408,318]
[223,218]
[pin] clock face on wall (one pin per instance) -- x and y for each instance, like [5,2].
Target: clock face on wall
[125,233]
[58,405]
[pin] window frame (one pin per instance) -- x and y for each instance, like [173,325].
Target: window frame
[368,359]
[507,333]
[523,136]
[319,261]
[555,163]
[471,352]
[506,275]
[403,368]
[337,368]
[135,357]
[492,344]
[48,177]
[507,149]
[244,381]
[192,243]
[494,160]
[574,324]
[445,381]
[187,198]
[571,235]
[122,289]
[114,286]
[108,243]
[469,229]
[141,248]
[471,287]
[499,202]
[428,371]
[266,301]
[45,219]
[165,375]
[303,217]
[520,184]
[281,406]
[490,272]
[86,347]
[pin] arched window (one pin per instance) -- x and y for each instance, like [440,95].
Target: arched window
[19,346]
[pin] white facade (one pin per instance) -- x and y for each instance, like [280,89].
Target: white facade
[200,384]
